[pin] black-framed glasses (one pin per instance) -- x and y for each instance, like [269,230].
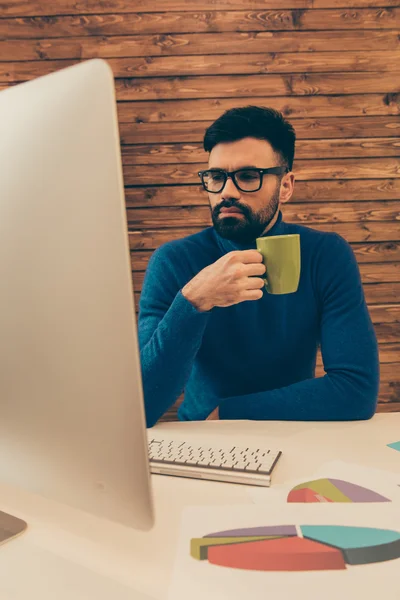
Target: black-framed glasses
[246,180]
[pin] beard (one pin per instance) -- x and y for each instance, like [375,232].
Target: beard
[244,229]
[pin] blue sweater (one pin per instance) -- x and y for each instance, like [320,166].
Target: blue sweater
[256,359]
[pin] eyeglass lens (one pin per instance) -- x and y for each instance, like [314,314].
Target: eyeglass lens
[248,180]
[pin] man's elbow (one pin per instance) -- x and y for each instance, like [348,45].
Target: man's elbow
[365,407]
[371,395]
[361,393]
[367,412]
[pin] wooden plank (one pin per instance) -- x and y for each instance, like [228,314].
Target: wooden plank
[388,407]
[389,373]
[321,128]
[352,3]
[121,46]
[307,214]
[380,272]
[169,22]
[150,239]
[370,274]
[71,7]
[335,168]
[304,191]
[378,253]
[222,86]
[386,319]
[297,212]
[147,239]
[292,106]
[317,128]
[303,214]
[237,86]
[381,293]
[301,62]
[172,415]
[380,313]
[389,389]
[388,354]
[155,154]
[348,148]
[375,293]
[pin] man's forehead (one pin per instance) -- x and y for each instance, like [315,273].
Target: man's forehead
[245,153]
[236,168]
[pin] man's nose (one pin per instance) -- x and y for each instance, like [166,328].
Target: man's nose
[230,188]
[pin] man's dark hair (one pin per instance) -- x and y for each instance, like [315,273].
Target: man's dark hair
[258,122]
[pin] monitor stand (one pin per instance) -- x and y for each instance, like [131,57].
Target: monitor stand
[10,527]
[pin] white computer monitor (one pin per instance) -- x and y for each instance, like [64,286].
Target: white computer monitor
[72,424]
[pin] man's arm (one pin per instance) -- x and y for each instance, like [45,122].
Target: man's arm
[170,331]
[349,390]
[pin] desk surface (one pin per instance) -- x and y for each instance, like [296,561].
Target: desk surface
[65,554]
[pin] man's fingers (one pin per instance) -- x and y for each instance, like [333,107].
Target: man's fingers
[255,269]
[251,256]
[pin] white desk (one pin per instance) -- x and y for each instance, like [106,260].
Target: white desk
[65,554]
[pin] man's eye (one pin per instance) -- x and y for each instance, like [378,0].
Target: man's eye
[246,175]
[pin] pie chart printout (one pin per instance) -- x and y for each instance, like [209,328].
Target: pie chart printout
[395,446]
[333,490]
[297,547]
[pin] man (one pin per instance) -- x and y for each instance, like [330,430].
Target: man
[208,327]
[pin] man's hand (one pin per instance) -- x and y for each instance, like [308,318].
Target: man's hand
[214,416]
[233,278]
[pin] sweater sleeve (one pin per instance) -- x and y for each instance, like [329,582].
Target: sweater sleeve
[170,331]
[349,389]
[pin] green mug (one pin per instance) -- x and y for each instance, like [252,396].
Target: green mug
[281,257]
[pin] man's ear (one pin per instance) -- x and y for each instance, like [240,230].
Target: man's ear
[287,187]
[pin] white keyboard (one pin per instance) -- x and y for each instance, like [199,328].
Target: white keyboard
[235,464]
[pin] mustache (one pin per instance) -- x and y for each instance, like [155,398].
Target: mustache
[228,204]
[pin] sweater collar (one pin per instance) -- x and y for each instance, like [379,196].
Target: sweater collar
[229,246]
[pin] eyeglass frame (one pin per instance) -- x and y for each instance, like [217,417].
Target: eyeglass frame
[231,174]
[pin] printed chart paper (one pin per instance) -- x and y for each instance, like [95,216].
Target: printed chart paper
[323,550]
[395,446]
[334,482]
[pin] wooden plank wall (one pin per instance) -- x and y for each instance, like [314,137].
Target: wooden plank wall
[331,66]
